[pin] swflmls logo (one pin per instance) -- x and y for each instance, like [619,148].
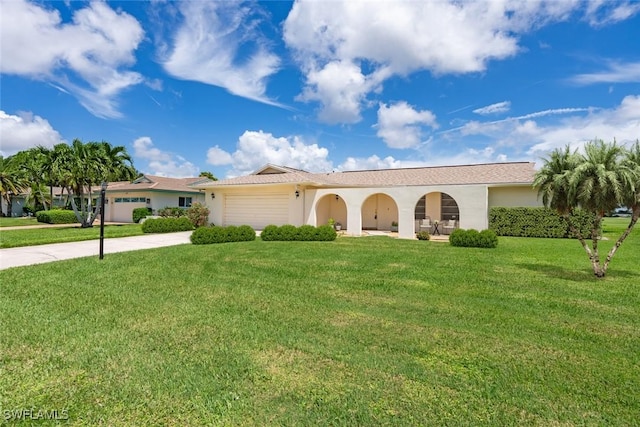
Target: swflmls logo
[35,414]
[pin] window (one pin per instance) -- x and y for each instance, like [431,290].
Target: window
[118,199]
[184,202]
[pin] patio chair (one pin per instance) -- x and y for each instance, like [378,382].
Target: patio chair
[425,225]
[449,226]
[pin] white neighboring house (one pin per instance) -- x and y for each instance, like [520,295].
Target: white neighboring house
[155,192]
[18,201]
[370,199]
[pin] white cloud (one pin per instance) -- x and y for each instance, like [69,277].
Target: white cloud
[375,162]
[604,12]
[399,125]
[348,48]
[616,73]
[499,107]
[24,131]
[162,163]
[210,44]
[256,148]
[95,46]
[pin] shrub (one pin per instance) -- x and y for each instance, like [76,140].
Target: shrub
[56,216]
[217,234]
[172,212]
[536,222]
[423,235]
[289,232]
[473,238]
[198,214]
[166,225]
[139,213]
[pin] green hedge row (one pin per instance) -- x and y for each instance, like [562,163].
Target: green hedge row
[303,233]
[536,222]
[56,216]
[473,238]
[166,225]
[217,234]
[139,213]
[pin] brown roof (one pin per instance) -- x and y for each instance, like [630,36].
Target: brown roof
[491,173]
[159,183]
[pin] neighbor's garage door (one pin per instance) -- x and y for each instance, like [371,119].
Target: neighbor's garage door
[256,210]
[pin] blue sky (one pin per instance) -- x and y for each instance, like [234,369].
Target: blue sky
[227,86]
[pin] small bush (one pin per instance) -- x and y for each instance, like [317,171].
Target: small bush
[166,225]
[423,235]
[139,213]
[473,238]
[172,212]
[198,214]
[217,234]
[289,232]
[56,216]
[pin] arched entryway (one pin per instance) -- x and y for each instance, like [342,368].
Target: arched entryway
[379,212]
[436,206]
[333,207]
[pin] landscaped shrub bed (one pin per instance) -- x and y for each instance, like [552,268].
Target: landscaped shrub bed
[217,234]
[166,225]
[139,213]
[172,212]
[473,238]
[536,222]
[56,216]
[289,232]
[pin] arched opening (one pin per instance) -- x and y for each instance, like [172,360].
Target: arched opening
[379,212]
[333,207]
[436,207]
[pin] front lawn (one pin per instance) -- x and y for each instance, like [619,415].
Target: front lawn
[360,331]
[41,236]
[18,222]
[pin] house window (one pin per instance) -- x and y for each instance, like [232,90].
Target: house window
[118,199]
[184,202]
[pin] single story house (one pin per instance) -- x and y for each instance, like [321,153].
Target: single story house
[19,201]
[370,199]
[154,192]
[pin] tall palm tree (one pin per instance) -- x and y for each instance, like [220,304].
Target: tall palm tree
[11,182]
[553,180]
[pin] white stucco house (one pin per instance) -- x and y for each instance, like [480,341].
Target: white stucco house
[155,192]
[370,199]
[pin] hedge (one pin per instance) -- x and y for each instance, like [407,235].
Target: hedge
[139,213]
[473,238]
[537,222]
[56,216]
[289,232]
[217,234]
[166,225]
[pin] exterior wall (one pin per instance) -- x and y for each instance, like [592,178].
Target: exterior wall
[331,207]
[432,206]
[514,196]
[159,199]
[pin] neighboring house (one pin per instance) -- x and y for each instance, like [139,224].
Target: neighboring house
[370,199]
[19,201]
[155,192]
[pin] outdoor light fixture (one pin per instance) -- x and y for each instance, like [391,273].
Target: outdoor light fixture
[213,195]
[103,189]
[337,197]
[297,194]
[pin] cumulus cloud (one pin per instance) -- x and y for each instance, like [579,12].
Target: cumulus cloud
[615,73]
[375,162]
[25,130]
[217,43]
[348,49]
[87,57]
[256,148]
[162,163]
[499,107]
[400,125]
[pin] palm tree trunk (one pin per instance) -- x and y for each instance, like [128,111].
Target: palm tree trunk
[595,262]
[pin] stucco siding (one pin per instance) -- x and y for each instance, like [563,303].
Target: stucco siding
[513,196]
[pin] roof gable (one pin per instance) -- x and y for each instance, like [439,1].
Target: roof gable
[270,169]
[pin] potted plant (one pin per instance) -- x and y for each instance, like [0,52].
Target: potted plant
[338,226]
[394,226]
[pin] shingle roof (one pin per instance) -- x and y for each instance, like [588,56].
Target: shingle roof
[160,183]
[491,173]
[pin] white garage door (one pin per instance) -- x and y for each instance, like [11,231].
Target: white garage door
[256,210]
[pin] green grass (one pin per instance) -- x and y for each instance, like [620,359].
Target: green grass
[41,236]
[18,222]
[361,331]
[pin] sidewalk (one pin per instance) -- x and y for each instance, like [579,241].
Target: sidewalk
[29,255]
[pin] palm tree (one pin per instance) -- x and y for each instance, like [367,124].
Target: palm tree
[597,181]
[10,181]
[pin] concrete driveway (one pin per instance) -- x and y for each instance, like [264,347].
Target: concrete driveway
[29,255]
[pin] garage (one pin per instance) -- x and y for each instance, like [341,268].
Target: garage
[256,210]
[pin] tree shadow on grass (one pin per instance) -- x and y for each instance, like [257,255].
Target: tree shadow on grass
[575,275]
